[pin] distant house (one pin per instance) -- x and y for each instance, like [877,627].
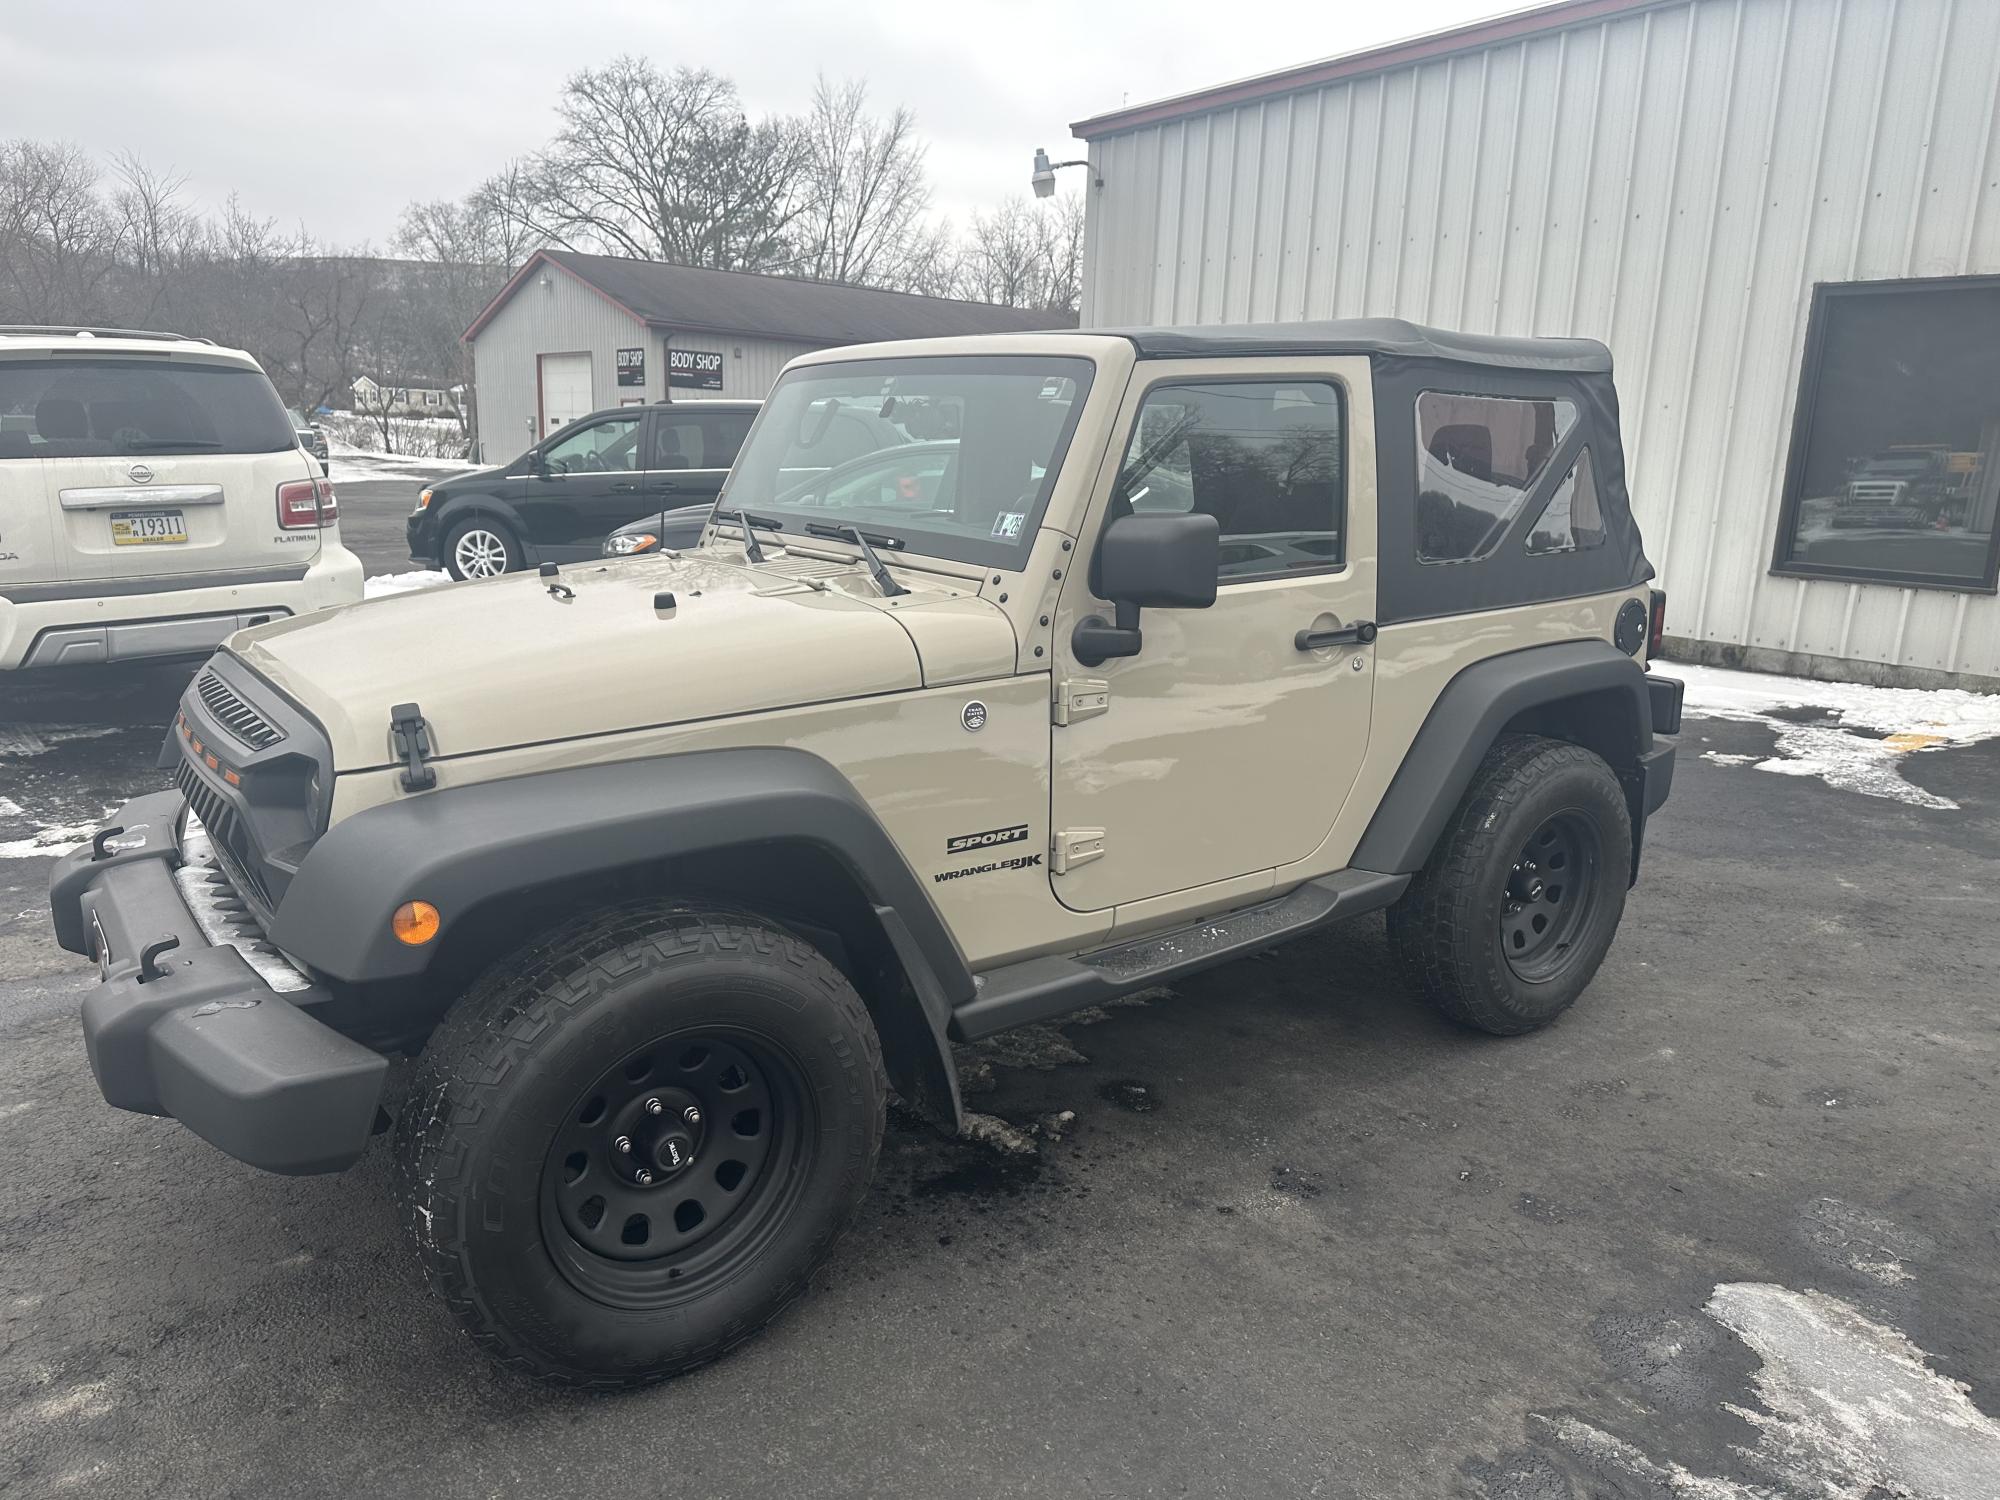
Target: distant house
[416,397]
[571,333]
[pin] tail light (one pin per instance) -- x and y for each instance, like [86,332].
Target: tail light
[307,502]
[1656,630]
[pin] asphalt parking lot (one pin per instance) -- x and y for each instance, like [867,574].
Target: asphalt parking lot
[1301,1237]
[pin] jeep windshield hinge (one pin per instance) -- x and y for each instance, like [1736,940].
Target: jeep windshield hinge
[411,736]
[1080,698]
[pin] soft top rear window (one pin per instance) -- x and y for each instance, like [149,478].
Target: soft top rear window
[107,407]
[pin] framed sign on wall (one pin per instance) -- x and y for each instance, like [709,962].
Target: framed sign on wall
[631,366]
[697,369]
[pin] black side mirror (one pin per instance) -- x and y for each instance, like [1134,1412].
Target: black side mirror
[1148,562]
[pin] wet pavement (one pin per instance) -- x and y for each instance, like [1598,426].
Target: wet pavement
[1278,1231]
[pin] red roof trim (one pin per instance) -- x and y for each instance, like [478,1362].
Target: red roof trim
[1507,28]
[540,257]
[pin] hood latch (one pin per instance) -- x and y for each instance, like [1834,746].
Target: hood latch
[410,733]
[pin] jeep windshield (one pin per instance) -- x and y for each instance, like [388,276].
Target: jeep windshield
[947,455]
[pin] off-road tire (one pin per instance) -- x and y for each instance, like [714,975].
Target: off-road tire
[1446,929]
[501,1077]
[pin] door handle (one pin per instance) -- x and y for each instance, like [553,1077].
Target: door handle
[1360,633]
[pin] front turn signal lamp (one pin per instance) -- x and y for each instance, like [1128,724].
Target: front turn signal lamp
[414,923]
[626,544]
[423,500]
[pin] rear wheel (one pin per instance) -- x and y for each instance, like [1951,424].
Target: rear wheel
[479,547]
[1509,920]
[626,1150]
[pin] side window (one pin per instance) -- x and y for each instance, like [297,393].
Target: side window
[1263,458]
[1571,521]
[724,437]
[597,449]
[1478,460]
[679,443]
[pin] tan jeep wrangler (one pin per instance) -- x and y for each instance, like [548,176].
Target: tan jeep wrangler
[1139,650]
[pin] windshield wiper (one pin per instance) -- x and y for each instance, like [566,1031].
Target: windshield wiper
[747,521]
[889,587]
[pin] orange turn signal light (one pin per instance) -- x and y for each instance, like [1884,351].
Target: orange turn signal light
[415,923]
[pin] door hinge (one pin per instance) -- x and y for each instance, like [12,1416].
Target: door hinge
[1076,846]
[1081,698]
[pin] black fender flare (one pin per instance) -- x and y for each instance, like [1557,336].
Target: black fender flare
[1475,706]
[460,847]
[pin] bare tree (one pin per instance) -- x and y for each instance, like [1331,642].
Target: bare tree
[862,190]
[461,253]
[1024,255]
[57,242]
[662,166]
[160,238]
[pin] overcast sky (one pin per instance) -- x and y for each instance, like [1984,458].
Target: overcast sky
[335,115]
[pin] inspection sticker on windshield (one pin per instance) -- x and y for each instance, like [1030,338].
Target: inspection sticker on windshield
[1007,525]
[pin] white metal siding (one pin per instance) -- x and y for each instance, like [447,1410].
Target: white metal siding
[1673,181]
[750,366]
[566,317]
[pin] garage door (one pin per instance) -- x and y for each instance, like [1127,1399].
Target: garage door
[565,390]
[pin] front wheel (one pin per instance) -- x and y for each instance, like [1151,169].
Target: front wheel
[1517,907]
[626,1150]
[481,548]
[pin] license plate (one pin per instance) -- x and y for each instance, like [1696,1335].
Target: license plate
[147,528]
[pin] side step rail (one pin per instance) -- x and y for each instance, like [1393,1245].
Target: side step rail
[1038,989]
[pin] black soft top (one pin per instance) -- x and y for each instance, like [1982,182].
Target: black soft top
[1384,336]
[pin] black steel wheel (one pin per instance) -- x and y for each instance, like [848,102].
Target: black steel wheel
[672,1164]
[1513,913]
[1551,889]
[628,1147]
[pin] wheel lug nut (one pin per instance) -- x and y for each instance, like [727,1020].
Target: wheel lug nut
[691,1115]
[645,1177]
[654,1107]
[623,1145]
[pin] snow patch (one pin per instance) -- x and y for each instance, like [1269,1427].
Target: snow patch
[40,739]
[1863,733]
[384,584]
[996,1134]
[48,843]
[83,1401]
[1848,1409]
[9,808]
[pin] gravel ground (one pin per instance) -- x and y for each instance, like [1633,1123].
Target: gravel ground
[1302,1236]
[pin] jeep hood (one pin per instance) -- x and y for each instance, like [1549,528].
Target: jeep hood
[507,662]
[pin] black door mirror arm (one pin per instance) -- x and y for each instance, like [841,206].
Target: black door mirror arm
[1094,641]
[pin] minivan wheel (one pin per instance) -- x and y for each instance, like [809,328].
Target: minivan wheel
[628,1147]
[1516,909]
[480,548]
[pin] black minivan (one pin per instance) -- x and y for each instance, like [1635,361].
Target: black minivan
[559,500]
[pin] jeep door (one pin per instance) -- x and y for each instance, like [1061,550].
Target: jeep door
[1228,745]
[588,482]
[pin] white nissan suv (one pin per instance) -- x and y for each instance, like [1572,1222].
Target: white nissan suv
[154,500]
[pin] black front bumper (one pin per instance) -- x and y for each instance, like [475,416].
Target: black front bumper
[423,538]
[197,1033]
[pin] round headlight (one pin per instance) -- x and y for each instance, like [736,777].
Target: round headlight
[625,543]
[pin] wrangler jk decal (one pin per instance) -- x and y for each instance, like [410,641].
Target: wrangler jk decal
[1018,862]
[965,843]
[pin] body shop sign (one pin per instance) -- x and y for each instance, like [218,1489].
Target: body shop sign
[698,368]
[631,366]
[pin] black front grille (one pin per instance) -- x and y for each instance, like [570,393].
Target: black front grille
[238,719]
[225,831]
